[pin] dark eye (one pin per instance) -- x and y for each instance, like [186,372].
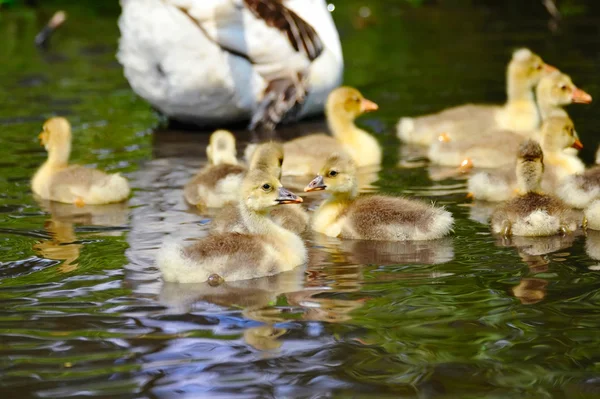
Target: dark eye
[280,161]
[356,99]
[332,173]
[538,67]
[564,87]
[266,187]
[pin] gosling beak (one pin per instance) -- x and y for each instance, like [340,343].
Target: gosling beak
[581,97]
[577,145]
[285,196]
[470,195]
[368,106]
[317,184]
[549,68]
[42,138]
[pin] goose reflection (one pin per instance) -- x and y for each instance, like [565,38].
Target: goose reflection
[63,244]
[534,252]
[257,298]
[370,252]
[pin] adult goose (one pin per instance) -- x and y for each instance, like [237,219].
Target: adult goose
[220,61]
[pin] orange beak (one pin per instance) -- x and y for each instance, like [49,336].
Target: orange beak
[368,106]
[577,145]
[469,196]
[549,68]
[42,138]
[581,97]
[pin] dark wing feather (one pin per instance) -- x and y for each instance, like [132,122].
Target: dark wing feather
[302,36]
[282,102]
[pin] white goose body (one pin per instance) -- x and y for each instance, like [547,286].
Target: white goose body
[214,61]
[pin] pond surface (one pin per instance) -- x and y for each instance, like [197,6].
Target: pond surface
[84,312]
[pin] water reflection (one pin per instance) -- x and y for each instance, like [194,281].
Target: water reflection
[257,298]
[534,252]
[63,244]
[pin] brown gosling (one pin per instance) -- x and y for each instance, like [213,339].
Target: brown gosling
[371,217]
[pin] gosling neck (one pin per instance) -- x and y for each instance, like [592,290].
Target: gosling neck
[228,159]
[518,89]
[58,157]
[344,196]
[529,176]
[257,222]
[341,126]
[549,108]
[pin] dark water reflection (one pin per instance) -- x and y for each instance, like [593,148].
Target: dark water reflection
[83,311]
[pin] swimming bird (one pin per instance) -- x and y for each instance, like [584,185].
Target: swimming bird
[557,135]
[214,62]
[306,155]
[267,157]
[495,148]
[532,213]
[267,248]
[56,180]
[218,182]
[345,214]
[519,114]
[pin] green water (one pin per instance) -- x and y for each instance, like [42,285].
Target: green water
[83,311]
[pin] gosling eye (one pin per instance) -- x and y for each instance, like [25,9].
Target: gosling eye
[266,187]
[538,67]
[356,99]
[332,173]
[280,161]
[564,87]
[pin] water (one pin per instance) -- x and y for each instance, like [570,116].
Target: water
[83,311]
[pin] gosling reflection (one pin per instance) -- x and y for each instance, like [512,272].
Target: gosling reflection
[534,251]
[257,298]
[63,245]
[399,252]
[386,252]
[89,215]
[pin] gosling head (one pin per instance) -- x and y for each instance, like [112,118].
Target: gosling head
[262,191]
[558,89]
[348,103]
[337,176]
[56,134]
[558,133]
[528,66]
[530,167]
[268,157]
[221,148]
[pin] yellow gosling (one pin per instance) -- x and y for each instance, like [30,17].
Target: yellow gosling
[519,113]
[267,248]
[56,180]
[306,155]
[219,181]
